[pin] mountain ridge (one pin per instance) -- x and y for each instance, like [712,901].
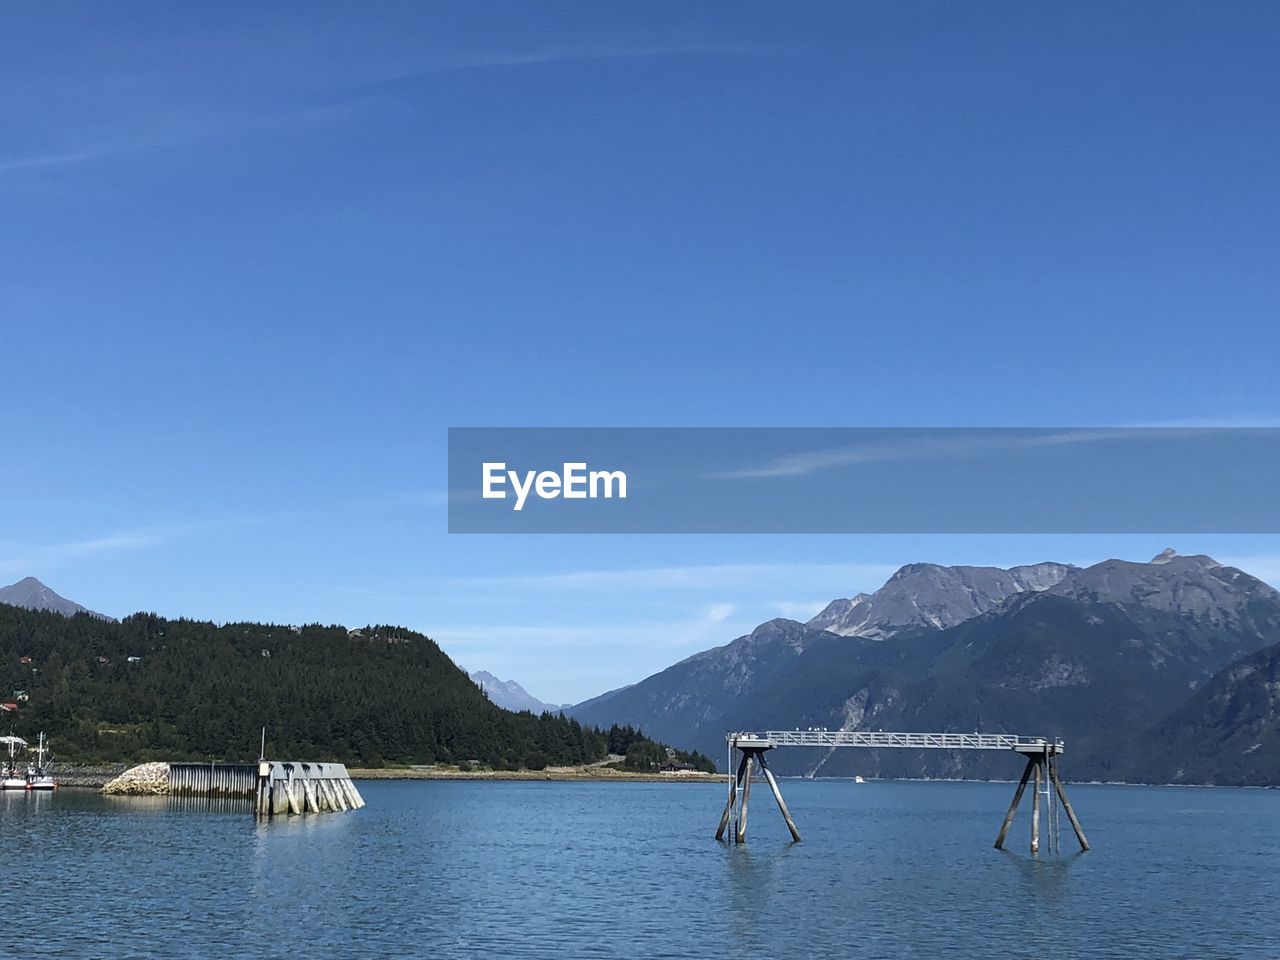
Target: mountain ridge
[930,594]
[510,695]
[30,594]
[1096,654]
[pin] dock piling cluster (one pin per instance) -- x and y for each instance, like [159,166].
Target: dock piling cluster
[292,788]
[1042,769]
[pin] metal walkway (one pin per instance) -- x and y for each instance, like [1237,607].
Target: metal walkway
[1042,763]
[881,739]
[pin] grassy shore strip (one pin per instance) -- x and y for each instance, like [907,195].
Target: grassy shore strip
[591,773]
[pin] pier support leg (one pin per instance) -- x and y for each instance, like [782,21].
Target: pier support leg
[309,796]
[777,795]
[1035,808]
[1013,807]
[734,780]
[746,796]
[1066,805]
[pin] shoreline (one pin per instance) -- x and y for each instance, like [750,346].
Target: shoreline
[561,774]
[95,776]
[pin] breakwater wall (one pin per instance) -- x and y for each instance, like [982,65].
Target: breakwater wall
[270,788]
[219,780]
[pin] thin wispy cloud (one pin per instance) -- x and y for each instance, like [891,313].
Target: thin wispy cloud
[695,577]
[184,133]
[25,559]
[575,54]
[159,120]
[960,443]
[711,627]
[800,609]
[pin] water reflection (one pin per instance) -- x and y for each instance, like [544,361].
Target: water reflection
[1046,877]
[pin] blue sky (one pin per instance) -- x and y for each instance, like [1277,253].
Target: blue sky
[256,261]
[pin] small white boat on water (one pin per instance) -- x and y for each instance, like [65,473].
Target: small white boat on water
[38,776]
[858,780]
[11,777]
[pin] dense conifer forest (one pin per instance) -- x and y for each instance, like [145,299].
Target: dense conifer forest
[147,687]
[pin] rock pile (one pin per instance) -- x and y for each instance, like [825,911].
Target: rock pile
[146,779]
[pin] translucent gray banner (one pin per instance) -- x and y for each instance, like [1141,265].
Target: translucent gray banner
[863,480]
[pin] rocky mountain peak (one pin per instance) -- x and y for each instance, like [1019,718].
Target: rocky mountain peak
[31,594]
[931,595]
[510,695]
[1194,585]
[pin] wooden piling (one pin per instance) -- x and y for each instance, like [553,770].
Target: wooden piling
[279,798]
[1013,807]
[357,801]
[746,796]
[1066,805]
[734,780]
[777,795]
[1035,808]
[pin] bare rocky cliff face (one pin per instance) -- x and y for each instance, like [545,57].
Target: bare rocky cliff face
[1193,586]
[929,595]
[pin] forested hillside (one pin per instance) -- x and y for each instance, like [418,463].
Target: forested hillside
[1227,733]
[147,687]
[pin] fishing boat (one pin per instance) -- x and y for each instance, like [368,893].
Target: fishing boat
[38,776]
[11,778]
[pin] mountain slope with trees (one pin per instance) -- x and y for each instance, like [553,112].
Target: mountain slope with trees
[1228,732]
[148,687]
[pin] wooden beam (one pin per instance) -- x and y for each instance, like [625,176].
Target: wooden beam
[1035,810]
[733,796]
[1066,805]
[777,795]
[746,796]
[1013,807]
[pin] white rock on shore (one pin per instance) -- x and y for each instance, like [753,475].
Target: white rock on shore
[146,779]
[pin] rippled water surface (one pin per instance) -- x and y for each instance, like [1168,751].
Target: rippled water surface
[444,869]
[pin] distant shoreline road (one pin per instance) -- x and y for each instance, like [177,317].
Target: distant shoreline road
[585,774]
[95,776]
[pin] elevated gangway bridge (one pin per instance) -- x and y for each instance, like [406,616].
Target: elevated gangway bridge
[881,739]
[1042,763]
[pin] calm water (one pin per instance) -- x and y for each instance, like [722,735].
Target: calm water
[607,870]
